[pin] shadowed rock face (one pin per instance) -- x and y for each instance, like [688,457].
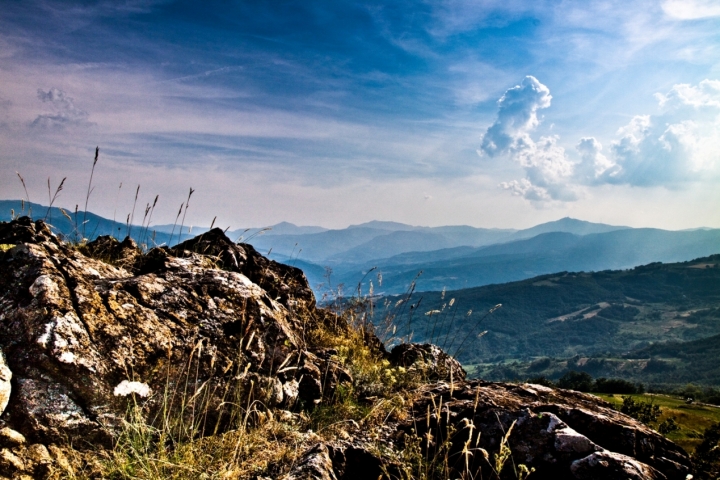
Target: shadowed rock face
[561,433]
[81,335]
[83,330]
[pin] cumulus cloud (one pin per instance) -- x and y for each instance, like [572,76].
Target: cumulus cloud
[517,117]
[64,112]
[679,144]
[547,168]
[705,94]
[593,165]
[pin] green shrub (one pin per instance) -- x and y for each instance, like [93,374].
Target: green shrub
[614,385]
[645,412]
[579,381]
[706,458]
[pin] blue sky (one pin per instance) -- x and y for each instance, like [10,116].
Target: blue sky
[487,113]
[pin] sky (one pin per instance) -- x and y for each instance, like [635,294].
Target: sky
[490,113]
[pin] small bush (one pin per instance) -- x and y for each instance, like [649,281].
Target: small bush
[645,412]
[615,385]
[668,425]
[706,458]
[579,381]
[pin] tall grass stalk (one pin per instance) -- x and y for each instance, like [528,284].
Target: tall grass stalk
[187,205]
[117,198]
[132,215]
[147,227]
[27,195]
[54,197]
[172,234]
[472,330]
[90,187]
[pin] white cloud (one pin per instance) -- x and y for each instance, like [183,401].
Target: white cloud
[63,110]
[678,145]
[705,94]
[593,165]
[691,9]
[516,118]
[547,168]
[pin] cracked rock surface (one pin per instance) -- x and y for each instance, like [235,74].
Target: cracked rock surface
[86,329]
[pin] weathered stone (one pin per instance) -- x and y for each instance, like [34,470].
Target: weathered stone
[60,459]
[10,463]
[38,460]
[429,361]
[83,334]
[612,466]
[315,464]
[551,430]
[38,453]
[10,438]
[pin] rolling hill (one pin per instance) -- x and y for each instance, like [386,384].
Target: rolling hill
[564,315]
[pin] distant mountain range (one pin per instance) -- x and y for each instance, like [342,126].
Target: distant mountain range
[463,257]
[451,257]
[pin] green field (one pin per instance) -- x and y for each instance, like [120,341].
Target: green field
[693,418]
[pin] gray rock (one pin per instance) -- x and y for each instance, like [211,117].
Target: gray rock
[315,464]
[613,466]
[552,430]
[87,330]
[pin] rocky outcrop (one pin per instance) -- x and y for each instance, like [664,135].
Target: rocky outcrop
[555,434]
[82,335]
[560,433]
[92,330]
[428,361]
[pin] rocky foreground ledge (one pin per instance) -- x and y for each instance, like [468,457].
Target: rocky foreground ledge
[88,333]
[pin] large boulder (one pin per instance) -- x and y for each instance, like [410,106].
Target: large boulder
[562,434]
[87,329]
[481,429]
[428,361]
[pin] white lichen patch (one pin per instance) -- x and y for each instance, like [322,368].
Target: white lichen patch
[92,272]
[68,341]
[44,284]
[67,357]
[43,339]
[125,388]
